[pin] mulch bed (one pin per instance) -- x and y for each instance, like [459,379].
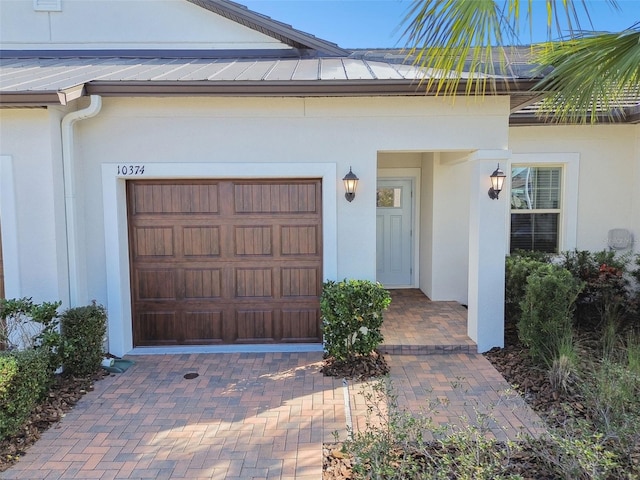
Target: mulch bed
[360,367]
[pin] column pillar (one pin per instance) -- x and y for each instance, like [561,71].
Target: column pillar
[488,248]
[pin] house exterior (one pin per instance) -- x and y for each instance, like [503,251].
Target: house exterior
[182,164]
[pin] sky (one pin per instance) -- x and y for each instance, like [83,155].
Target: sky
[375,23]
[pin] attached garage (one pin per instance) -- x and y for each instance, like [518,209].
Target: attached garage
[225,261]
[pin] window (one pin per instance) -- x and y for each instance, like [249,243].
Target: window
[535,208]
[389,197]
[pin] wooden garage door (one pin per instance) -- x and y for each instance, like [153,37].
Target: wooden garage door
[225,261]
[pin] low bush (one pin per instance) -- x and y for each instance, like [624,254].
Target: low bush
[517,270]
[83,331]
[545,324]
[24,378]
[28,325]
[398,444]
[352,315]
[606,277]
[575,452]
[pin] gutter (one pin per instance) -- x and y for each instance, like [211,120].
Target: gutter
[68,172]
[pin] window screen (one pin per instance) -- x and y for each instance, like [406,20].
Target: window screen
[535,208]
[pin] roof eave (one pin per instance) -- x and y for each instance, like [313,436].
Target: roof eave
[526,120]
[276,88]
[285,88]
[29,99]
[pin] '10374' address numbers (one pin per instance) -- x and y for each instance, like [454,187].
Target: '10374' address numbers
[130,169]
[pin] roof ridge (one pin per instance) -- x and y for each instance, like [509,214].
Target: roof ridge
[264,24]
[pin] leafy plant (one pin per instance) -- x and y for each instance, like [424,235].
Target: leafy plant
[29,325]
[397,444]
[518,267]
[575,452]
[606,293]
[83,331]
[24,378]
[545,325]
[352,315]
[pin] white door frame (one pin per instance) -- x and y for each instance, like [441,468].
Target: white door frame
[413,174]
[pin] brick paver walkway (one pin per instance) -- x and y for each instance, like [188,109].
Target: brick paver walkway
[452,390]
[414,325]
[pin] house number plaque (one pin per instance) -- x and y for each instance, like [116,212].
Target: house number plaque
[131,170]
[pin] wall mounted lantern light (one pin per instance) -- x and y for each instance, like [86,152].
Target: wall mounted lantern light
[350,184]
[497,181]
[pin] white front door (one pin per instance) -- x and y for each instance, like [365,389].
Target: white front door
[394,212]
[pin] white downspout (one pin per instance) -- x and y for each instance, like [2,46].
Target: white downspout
[68,173]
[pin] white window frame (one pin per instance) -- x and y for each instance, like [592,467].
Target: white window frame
[568,221]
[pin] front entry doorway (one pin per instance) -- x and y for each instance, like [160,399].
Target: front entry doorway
[394,232]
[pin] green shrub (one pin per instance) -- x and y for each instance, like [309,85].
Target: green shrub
[606,293]
[574,452]
[517,270]
[28,325]
[24,378]
[352,317]
[83,331]
[545,325]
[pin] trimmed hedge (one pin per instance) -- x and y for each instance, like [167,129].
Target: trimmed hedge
[83,331]
[24,378]
[352,317]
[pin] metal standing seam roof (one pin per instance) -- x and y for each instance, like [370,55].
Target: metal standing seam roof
[42,81]
[45,81]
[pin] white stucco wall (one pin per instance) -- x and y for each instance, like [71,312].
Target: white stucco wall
[426,224]
[450,231]
[109,24]
[609,175]
[34,250]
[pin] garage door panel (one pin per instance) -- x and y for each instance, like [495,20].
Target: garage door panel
[299,240]
[275,198]
[203,283]
[163,199]
[300,325]
[254,282]
[300,282]
[156,284]
[153,241]
[155,328]
[253,240]
[255,325]
[201,241]
[227,263]
[202,327]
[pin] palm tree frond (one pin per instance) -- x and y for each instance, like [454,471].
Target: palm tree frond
[593,76]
